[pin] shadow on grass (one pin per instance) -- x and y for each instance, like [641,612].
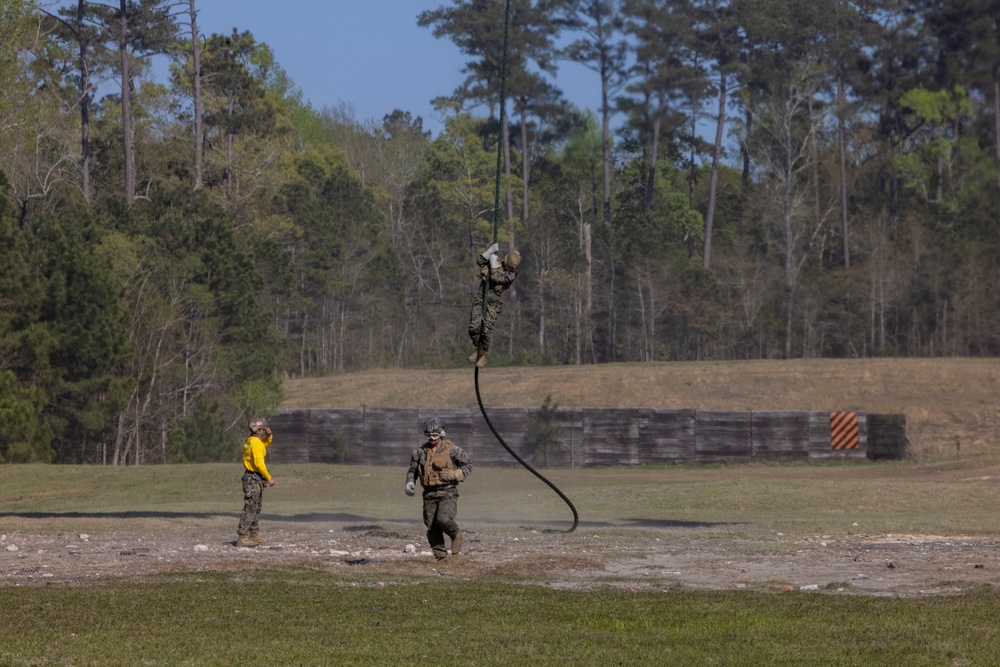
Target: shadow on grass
[114,515]
[149,514]
[343,517]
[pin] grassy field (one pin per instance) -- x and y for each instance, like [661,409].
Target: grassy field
[889,563]
[303,618]
[242,607]
[798,500]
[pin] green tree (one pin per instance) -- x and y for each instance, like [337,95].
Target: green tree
[544,435]
[557,277]
[238,106]
[477,28]
[341,271]
[656,246]
[967,34]
[29,435]
[199,330]
[202,437]
[138,29]
[63,333]
[599,45]
[78,28]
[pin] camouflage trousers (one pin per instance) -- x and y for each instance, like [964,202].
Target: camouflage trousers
[253,496]
[440,509]
[481,328]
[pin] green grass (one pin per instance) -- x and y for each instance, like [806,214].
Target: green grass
[303,618]
[796,499]
[282,616]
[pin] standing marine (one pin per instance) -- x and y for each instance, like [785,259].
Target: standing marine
[495,277]
[440,465]
[255,478]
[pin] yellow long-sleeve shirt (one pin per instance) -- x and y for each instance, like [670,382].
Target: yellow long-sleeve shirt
[254,451]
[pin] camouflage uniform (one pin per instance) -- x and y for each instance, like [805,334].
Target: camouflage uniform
[255,478]
[496,281]
[253,496]
[440,497]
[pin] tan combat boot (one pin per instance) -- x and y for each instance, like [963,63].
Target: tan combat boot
[256,538]
[474,356]
[244,541]
[481,362]
[456,544]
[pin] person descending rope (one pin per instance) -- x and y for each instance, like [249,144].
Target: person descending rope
[495,277]
[490,287]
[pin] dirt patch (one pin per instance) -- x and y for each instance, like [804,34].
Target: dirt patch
[950,409]
[669,558]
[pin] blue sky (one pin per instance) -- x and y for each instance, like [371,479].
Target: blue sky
[369,54]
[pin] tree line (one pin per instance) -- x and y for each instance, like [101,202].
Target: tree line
[792,179]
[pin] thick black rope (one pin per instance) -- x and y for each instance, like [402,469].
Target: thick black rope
[576,517]
[485,285]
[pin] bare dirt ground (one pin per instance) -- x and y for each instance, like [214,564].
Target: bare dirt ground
[657,558]
[949,404]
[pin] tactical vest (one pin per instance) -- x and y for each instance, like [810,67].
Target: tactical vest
[434,463]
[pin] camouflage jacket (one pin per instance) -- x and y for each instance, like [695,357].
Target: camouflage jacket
[498,280]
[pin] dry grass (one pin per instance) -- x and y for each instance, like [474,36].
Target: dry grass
[948,403]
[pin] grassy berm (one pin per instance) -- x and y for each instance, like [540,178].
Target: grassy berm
[950,404]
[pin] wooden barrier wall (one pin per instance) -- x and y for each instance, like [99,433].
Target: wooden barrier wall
[588,437]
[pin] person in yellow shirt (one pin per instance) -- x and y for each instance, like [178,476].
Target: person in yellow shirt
[255,478]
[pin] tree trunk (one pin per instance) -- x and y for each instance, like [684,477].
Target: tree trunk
[845,227]
[199,136]
[788,263]
[713,183]
[588,287]
[84,104]
[507,195]
[654,150]
[229,162]
[585,289]
[606,144]
[748,121]
[996,113]
[524,167]
[814,158]
[542,285]
[127,109]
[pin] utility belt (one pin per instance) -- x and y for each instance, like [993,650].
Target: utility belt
[441,490]
[253,475]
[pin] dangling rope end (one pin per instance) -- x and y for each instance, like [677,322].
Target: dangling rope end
[524,464]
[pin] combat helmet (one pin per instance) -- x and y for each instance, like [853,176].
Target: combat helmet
[512,260]
[257,423]
[432,426]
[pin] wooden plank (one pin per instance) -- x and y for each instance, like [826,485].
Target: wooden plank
[779,435]
[610,437]
[666,436]
[722,437]
[886,437]
[588,437]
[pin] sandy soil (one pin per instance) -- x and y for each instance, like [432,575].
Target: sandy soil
[668,557]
